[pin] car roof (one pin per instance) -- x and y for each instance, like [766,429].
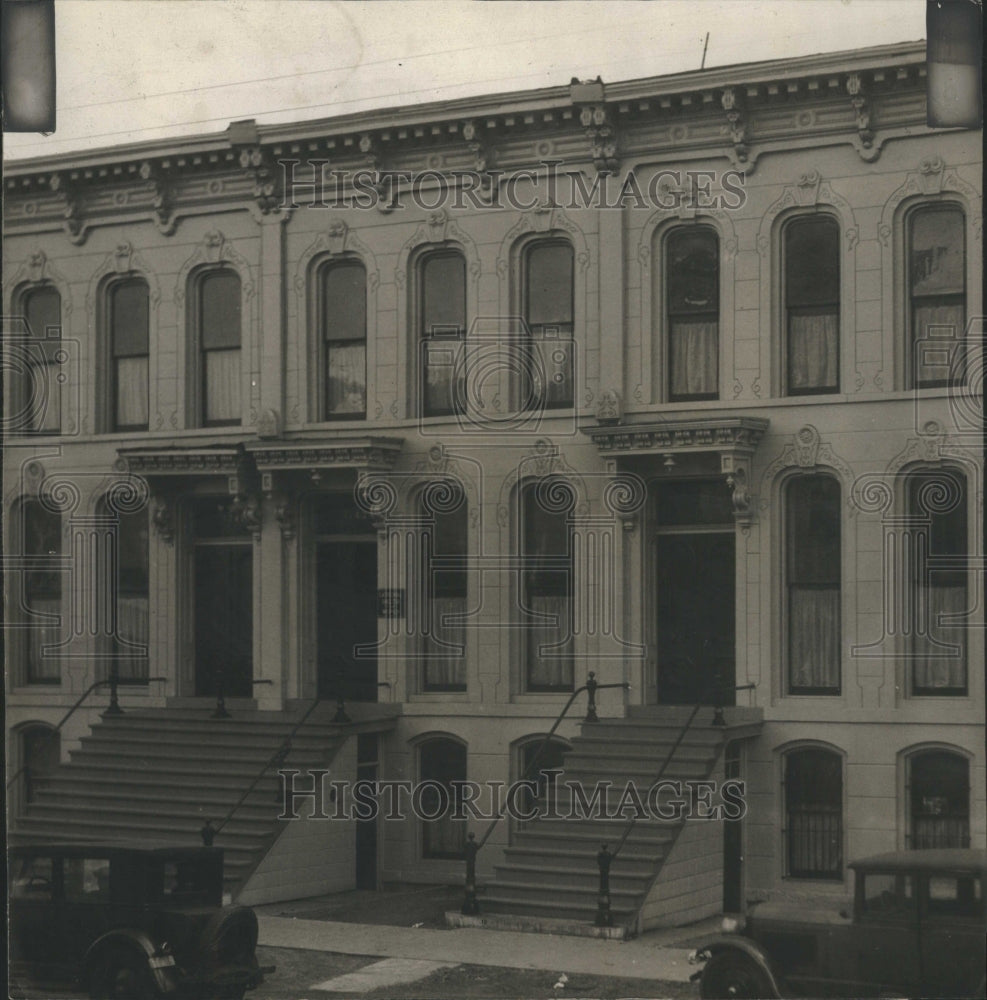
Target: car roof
[953,859]
[113,848]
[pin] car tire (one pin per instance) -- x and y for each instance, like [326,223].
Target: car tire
[122,976]
[729,974]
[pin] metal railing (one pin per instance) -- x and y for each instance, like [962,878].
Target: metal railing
[111,710]
[604,917]
[208,831]
[471,905]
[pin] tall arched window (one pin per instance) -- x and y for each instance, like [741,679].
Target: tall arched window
[548,313]
[42,592]
[813,788]
[547,584]
[938,799]
[129,317]
[692,296]
[441,331]
[535,758]
[443,586]
[812,304]
[937,294]
[937,507]
[441,762]
[219,330]
[40,395]
[343,333]
[812,513]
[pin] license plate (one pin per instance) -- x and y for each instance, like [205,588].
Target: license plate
[161,961]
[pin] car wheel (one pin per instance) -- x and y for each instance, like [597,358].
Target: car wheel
[124,977]
[728,974]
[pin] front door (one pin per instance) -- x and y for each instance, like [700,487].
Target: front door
[223,620]
[346,611]
[694,624]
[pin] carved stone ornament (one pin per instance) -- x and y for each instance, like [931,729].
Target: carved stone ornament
[861,109]
[163,518]
[610,408]
[267,180]
[247,512]
[733,105]
[269,424]
[602,135]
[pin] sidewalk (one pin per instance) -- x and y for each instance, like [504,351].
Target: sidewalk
[661,955]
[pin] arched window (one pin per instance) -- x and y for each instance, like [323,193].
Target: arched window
[41,393]
[39,751]
[128,356]
[218,325]
[548,313]
[812,513]
[938,800]
[937,294]
[441,331]
[343,336]
[443,586]
[813,788]
[692,297]
[535,757]
[547,584]
[42,592]
[441,761]
[812,304]
[937,507]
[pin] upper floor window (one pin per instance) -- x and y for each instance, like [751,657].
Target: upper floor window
[548,313]
[813,583]
[937,294]
[547,585]
[444,592]
[813,786]
[812,304]
[343,331]
[41,396]
[42,592]
[129,318]
[442,329]
[938,516]
[219,330]
[693,306]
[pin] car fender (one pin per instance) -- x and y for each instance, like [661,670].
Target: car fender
[138,943]
[753,951]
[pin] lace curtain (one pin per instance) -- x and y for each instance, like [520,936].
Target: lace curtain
[814,638]
[41,668]
[935,668]
[444,648]
[812,351]
[947,323]
[694,358]
[346,378]
[222,401]
[441,371]
[131,401]
[549,642]
[132,626]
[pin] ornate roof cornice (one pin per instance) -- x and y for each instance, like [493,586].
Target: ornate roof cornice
[703,434]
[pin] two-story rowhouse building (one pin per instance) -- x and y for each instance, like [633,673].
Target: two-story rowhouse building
[673,380]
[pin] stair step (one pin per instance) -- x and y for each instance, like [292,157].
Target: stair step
[123,810]
[587,880]
[95,826]
[501,902]
[583,857]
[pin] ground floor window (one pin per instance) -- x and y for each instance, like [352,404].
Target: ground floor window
[39,751]
[939,800]
[441,761]
[813,788]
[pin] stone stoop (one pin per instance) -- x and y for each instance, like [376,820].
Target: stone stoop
[159,774]
[549,879]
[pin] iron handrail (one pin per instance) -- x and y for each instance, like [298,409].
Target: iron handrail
[678,742]
[52,733]
[208,831]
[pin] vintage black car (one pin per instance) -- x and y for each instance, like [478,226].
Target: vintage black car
[915,929]
[131,921]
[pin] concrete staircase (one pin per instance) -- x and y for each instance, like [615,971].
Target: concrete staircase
[159,774]
[550,875]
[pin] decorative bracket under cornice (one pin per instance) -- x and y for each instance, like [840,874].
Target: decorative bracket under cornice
[594,116]
[861,109]
[733,104]
[267,193]
[162,197]
[482,154]
[281,461]
[734,439]
[75,226]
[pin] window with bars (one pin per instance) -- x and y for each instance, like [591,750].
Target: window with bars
[937,295]
[219,330]
[813,788]
[129,372]
[548,313]
[442,332]
[40,392]
[692,295]
[939,800]
[812,512]
[937,503]
[343,329]
[812,305]
[441,762]
[547,584]
[444,591]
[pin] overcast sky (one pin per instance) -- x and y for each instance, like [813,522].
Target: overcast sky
[132,70]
